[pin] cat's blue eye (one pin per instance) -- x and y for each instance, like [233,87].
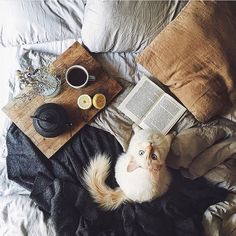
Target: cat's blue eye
[154,156]
[141,152]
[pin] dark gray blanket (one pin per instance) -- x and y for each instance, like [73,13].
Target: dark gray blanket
[56,186]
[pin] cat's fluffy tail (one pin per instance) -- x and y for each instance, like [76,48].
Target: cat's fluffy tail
[95,176]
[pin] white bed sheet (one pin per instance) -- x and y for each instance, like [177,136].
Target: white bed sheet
[39,21]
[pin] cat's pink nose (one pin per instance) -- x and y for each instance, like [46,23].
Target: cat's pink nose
[149,147]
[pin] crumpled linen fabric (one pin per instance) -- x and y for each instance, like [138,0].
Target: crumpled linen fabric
[57,188]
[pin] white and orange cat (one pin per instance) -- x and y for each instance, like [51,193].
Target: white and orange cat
[141,172]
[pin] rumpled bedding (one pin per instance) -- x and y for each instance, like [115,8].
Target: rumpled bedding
[56,185]
[210,151]
[19,214]
[30,22]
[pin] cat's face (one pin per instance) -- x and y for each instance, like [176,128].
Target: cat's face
[148,150]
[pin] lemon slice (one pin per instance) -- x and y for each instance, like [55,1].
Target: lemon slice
[84,101]
[99,101]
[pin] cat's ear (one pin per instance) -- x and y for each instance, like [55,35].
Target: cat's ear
[132,165]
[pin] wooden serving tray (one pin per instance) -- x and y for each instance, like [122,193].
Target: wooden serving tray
[20,112]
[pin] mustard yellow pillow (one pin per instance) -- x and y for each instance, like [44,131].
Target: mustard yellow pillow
[195,56]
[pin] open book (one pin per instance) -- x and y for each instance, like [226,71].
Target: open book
[150,107]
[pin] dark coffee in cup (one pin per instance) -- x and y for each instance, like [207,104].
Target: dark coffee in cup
[77,77]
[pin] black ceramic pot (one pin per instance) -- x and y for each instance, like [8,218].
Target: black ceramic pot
[50,120]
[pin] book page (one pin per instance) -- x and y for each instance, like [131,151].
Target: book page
[163,115]
[141,99]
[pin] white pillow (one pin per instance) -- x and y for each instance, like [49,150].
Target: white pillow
[122,26]
[29,22]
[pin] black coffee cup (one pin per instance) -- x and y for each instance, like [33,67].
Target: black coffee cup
[77,76]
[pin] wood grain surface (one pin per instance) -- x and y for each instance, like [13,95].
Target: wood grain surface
[20,112]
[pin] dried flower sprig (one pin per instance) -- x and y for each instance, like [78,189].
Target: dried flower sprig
[40,80]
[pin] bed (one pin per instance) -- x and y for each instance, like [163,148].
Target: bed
[35,33]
